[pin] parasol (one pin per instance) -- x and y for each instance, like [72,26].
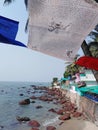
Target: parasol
[59,27]
[88,62]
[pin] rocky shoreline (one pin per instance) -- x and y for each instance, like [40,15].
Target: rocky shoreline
[67,111]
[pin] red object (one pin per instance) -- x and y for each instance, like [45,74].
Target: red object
[88,62]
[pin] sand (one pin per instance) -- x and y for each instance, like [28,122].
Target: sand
[75,124]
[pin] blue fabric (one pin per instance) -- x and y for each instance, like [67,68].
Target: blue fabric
[8,31]
[8,27]
[64,79]
[11,41]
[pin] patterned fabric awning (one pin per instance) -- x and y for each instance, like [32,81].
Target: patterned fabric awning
[58,27]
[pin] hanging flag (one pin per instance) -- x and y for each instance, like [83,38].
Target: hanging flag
[8,31]
[11,41]
[8,27]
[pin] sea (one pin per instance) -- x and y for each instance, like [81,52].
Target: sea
[9,106]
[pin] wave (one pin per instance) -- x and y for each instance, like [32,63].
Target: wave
[50,121]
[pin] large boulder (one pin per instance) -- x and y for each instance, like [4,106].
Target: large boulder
[34,123]
[22,118]
[65,117]
[50,128]
[34,128]
[60,112]
[39,106]
[33,97]
[24,102]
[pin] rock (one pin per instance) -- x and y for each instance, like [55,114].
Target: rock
[65,117]
[24,102]
[22,118]
[62,101]
[61,123]
[33,97]
[50,128]
[60,112]
[50,99]
[2,90]
[21,94]
[43,98]
[34,123]
[33,102]
[34,129]
[77,114]
[52,110]
[33,86]
[1,127]
[39,106]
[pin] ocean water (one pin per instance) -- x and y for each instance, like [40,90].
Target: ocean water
[10,108]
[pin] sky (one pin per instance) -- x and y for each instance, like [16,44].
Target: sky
[22,64]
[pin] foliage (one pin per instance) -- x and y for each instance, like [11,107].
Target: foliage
[72,68]
[93,48]
[54,80]
[26,3]
[66,74]
[26,26]
[8,1]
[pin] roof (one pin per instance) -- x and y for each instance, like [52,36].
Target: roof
[88,76]
[58,27]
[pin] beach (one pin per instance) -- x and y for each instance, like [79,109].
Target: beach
[75,124]
[23,104]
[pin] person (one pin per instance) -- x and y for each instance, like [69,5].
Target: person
[77,77]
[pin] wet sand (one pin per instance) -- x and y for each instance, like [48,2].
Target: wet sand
[75,124]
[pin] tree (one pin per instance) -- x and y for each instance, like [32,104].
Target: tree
[72,68]
[93,48]
[54,81]
[10,1]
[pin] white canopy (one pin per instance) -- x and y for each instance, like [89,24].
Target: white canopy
[58,27]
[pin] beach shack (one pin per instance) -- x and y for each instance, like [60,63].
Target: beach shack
[89,97]
[86,97]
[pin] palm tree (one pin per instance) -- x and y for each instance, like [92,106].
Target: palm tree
[85,48]
[55,81]
[93,48]
[10,1]
[72,68]
[96,1]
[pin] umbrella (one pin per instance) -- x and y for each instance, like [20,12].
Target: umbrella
[58,27]
[88,62]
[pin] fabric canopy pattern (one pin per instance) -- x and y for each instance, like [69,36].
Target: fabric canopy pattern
[8,31]
[88,62]
[58,27]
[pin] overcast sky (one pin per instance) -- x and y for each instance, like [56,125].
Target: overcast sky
[22,64]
